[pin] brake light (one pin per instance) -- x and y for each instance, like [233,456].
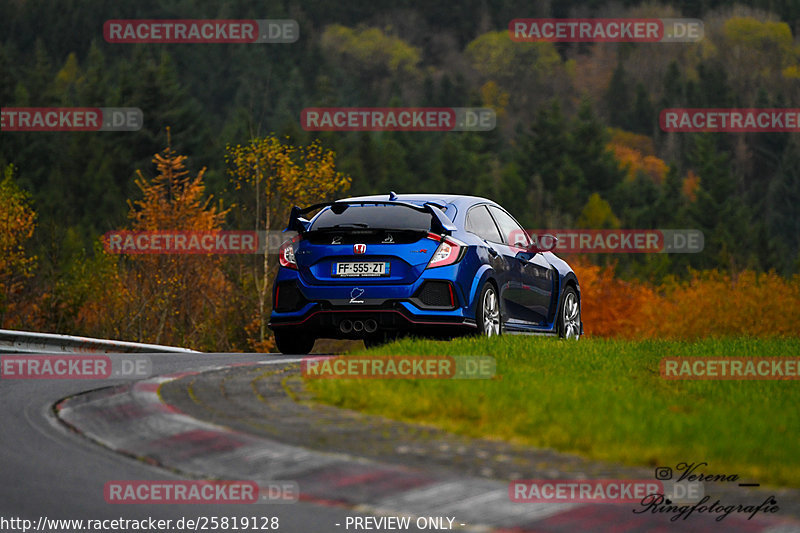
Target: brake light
[286,253]
[448,252]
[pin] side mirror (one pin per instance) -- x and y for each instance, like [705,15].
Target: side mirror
[542,243]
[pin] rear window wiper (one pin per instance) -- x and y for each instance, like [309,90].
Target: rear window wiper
[348,225]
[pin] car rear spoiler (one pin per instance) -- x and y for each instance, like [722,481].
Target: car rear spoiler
[299,224]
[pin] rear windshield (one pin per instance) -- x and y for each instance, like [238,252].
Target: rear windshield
[374,217]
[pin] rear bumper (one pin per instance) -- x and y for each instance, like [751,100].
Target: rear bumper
[393,317]
[432,306]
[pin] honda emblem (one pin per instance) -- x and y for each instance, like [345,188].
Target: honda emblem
[359,248]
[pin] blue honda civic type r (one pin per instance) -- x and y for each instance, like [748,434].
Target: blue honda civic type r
[380,267]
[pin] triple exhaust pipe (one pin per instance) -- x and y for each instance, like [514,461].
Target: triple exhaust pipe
[367,326]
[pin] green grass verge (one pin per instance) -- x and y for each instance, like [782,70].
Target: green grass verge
[603,399]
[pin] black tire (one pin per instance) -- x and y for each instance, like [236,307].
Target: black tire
[487,312]
[379,339]
[294,342]
[372,342]
[569,315]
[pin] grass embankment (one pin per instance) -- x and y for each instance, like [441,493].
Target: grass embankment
[603,399]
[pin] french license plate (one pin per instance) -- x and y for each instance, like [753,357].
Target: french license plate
[361,269]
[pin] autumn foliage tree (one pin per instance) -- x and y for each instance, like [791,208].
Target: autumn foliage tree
[17,222]
[709,304]
[175,299]
[278,175]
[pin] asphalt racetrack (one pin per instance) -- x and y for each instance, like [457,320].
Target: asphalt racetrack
[229,417]
[48,471]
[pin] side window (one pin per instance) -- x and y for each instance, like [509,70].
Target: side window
[513,234]
[480,222]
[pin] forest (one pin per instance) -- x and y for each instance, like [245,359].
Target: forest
[577,145]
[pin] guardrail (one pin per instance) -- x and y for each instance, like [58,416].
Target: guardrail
[12,341]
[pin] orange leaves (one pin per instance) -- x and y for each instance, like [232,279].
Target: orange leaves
[17,222]
[610,307]
[708,304]
[716,304]
[636,153]
[690,185]
[173,199]
[177,299]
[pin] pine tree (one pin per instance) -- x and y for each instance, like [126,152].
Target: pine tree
[588,149]
[782,213]
[718,210]
[618,99]
[643,118]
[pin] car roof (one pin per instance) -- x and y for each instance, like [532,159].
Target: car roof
[457,200]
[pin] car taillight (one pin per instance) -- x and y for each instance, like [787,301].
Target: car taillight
[448,252]
[286,253]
